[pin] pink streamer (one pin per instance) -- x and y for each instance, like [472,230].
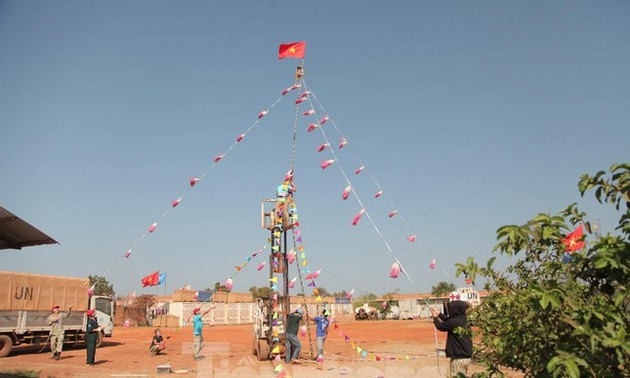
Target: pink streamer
[292,282]
[127,254]
[300,100]
[291,256]
[262,114]
[392,213]
[152,227]
[378,194]
[309,112]
[261,265]
[312,127]
[361,168]
[322,147]
[176,202]
[346,192]
[395,270]
[433,264]
[217,158]
[357,217]
[326,163]
[194,181]
[411,238]
[323,120]
[240,138]
[342,142]
[229,284]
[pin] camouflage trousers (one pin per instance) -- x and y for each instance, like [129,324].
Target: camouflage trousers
[56,341]
[458,365]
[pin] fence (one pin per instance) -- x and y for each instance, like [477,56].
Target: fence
[234,313]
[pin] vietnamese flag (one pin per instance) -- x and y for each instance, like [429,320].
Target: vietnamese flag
[152,279]
[292,50]
[573,241]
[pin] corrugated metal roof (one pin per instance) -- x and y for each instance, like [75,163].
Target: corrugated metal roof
[15,233]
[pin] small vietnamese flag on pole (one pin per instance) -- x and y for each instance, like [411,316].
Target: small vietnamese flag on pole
[292,50]
[573,241]
[151,280]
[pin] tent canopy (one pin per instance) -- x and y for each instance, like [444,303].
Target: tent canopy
[15,233]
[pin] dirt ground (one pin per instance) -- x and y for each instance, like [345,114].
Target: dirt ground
[407,348]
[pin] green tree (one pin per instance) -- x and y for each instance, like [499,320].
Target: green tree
[102,287]
[369,298]
[339,294]
[218,286]
[443,288]
[557,315]
[323,292]
[260,292]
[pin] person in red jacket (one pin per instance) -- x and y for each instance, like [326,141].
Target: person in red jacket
[459,346]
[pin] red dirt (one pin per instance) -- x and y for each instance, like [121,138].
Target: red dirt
[406,348]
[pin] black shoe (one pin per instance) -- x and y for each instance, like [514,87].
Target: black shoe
[57,356]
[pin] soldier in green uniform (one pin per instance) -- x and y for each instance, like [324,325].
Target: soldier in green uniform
[55,320]
[92,330]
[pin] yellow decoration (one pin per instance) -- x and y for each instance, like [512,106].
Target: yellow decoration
[318,299]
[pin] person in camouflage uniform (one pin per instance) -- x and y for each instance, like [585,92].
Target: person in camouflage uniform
[55,320]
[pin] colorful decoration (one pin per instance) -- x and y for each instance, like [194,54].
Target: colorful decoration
[346,192]
[394,270]
[357,217]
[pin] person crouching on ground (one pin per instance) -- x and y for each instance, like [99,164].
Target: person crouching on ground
[459,346]
[156,342]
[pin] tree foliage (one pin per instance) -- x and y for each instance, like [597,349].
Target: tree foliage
[442,288]
[103,287]
[553,318]
[260,292]
[218,286]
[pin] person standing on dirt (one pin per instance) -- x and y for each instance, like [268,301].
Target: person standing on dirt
[156,342]
[322,331]
[291,338]
[198,331]
[459,346]
[92,330]
[55,320]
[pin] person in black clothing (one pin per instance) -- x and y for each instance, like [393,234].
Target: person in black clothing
[156,342]
[92,330]
[459,347]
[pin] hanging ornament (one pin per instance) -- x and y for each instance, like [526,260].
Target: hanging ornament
[194,181]
[342,142]
[395,270]
[152,227]
[357,217]
[346,192]
[229,284]
[326,163]
[176,202]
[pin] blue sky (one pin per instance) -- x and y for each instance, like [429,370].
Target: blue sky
[469,115]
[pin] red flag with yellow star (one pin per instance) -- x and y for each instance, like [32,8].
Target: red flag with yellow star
[573,241]
[151,280]
[292,50]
